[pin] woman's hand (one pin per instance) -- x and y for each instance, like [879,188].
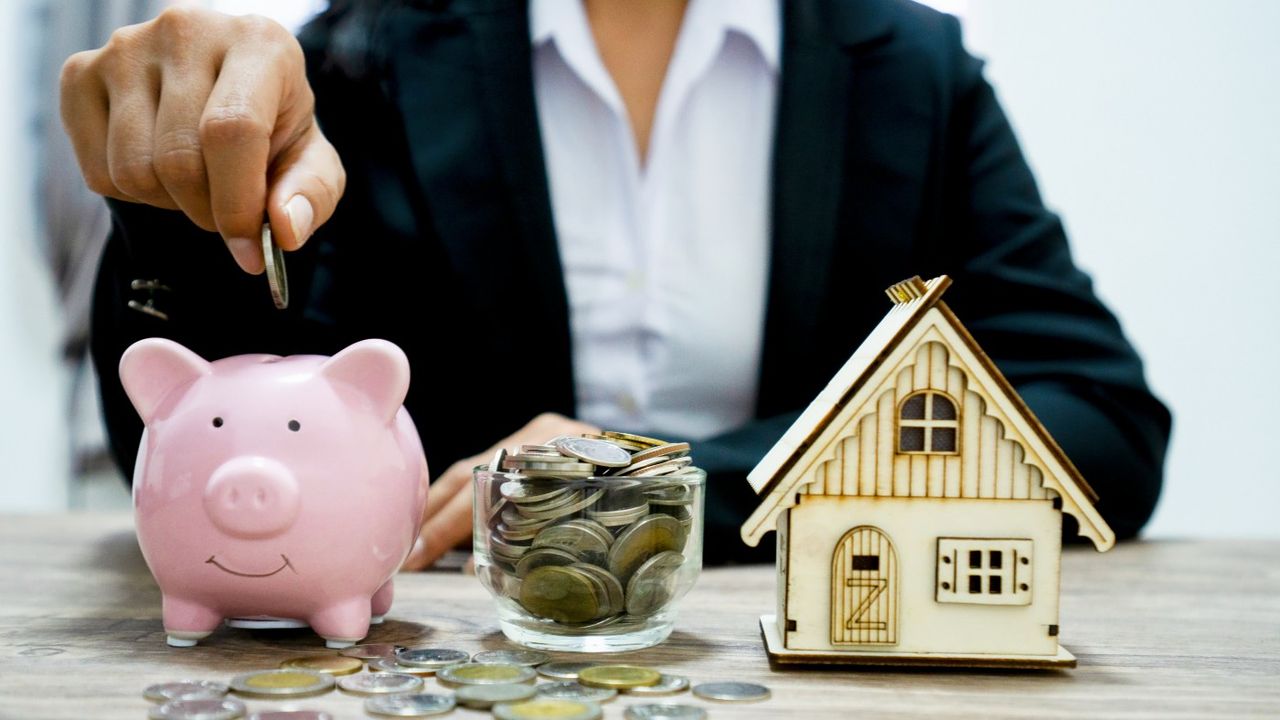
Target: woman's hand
[447,518]
[208,114]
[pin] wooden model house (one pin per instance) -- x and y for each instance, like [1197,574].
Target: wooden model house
[918,504]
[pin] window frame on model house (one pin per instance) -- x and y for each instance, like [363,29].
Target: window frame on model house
[920,418]
[985,571]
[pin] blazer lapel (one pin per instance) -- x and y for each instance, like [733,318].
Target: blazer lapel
[462,76]
[819,65]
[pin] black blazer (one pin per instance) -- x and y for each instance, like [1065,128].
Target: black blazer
[892,158]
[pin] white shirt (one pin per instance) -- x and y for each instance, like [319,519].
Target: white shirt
[665,261]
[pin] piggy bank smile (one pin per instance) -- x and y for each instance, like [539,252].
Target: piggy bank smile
[285,564]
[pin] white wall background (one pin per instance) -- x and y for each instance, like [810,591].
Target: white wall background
[1154,128]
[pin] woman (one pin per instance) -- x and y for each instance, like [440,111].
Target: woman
[666,217]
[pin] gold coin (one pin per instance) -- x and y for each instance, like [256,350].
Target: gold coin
[282,683]
[562,595]
[635,439]
[619,676]
[547,709]
[485,674]
[327,664]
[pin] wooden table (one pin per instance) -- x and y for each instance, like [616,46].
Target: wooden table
[1162,629]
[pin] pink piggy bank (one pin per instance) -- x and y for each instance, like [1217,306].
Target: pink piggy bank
[270,487]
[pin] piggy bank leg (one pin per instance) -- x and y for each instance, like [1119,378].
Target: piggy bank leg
[381,603]
[185,621]
[343,624]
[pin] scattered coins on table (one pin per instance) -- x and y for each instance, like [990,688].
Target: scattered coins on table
[731,691]
[578,539]
[185,690]
[509,689]
[410,706]
[198,709]
[326,664]
[282,683]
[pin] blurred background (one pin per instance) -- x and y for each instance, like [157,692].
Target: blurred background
[1153,127]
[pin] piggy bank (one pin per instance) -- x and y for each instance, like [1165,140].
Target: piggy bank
[270,487]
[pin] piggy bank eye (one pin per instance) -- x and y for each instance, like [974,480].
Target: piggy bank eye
[217,422]
[294,425]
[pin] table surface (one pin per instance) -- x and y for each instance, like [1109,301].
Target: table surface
[1161,629]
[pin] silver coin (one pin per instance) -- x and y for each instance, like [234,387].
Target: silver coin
[389,664]
[287,682]
[564,670]
[575,691]
[596,452]
[379,683]
[547,708]
[652,585]
[291,715]
[528,658]
[370,651]
[667,685]
[563,510]
[499,457]
[731,691]
[431,657]
[671,450]
[412,706]
[198,709]
[524,491]
[664,711]
[483,697]
[273,260]
[185,690]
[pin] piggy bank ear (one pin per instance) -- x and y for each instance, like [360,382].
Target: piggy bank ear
[377,369]
[151,369]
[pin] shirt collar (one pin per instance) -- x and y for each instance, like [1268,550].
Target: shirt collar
[758,20]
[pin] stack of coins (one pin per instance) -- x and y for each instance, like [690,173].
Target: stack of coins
[587,532]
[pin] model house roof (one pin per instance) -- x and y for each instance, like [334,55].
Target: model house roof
[917,313]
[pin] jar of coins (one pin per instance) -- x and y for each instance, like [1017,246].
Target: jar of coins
[587,543]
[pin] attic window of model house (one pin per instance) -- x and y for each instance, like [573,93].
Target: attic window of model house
[928,423]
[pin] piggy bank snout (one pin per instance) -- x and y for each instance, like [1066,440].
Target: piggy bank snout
[252,497]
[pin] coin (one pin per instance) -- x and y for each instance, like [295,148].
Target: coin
[327,664]
[563,670]
[574,538]
[667,685]
[664,711]
[370,651]
[282,683]
[652,585]
[574,690]
[419,705]
[587,500]
[185,690]
[528,658]
[619,676]
[499,457]
[671,450]
[483,697]
[635,439]
[431,657]
[525,491]
[273,260]
[560,594]
[646,538]
[731,691]
[485,674]
[390,665]
[596,452]
[291,715]
[547,708]
[379,683]
[615,599]
[198,709]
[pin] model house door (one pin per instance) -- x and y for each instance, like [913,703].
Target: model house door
[864,589]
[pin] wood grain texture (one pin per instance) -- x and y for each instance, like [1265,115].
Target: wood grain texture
[1161,630]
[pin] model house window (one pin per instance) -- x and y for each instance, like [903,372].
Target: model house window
[984,571]
[928,423]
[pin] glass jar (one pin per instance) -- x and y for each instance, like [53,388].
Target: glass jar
[593,564]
